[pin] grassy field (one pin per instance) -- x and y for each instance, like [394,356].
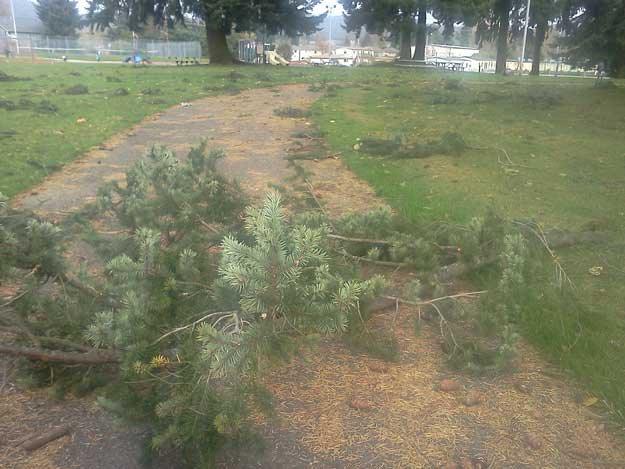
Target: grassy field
[566,140]
[564,136]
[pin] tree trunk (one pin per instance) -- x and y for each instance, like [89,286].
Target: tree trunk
[218,51]
[503,26]
[541,31]
[421,33]
[404,39]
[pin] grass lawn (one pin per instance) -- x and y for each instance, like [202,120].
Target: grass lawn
[566,138]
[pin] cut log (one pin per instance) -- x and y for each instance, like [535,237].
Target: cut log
[96,357]
[45,438]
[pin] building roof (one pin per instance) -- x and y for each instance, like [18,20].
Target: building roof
[25,17]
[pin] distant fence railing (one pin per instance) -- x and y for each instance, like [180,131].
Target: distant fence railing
[56,47]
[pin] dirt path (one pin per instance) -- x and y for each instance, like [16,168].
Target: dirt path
[254,139]
[529,418]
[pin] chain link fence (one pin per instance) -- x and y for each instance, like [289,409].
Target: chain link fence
[103,48]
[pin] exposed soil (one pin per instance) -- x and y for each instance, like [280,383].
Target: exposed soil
[334,408]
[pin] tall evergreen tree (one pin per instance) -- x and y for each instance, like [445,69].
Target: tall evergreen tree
[595,34]
[542,14]
[377,16]
[221,17]
[59,17]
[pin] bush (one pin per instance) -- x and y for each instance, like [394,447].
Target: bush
[76,89]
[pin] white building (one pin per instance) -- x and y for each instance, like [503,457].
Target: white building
[448,51]
[346,56]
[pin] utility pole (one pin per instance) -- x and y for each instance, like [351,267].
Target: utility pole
[330,10]
[17,41]
[527,20]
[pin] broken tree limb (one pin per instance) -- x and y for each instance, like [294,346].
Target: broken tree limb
[72,280]
[38,339]
[359,240]
[45,438]
[373,261]
[94,357]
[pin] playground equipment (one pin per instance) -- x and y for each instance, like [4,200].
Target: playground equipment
[273,58]
[257,52]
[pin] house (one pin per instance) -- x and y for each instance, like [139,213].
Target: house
[346,56]
[306,53]
[26,19]
[449,51]
[350,56]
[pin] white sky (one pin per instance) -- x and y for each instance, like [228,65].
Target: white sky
[323,7]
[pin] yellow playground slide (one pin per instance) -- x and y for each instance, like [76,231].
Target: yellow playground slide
[276,59]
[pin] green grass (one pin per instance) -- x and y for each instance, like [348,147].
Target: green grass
[567,140]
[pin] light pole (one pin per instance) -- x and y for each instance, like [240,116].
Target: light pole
[330,10]
[17,41]
[527,20]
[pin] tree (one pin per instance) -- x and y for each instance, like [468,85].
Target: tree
[59,17]
[378,16]
[542,12]
[595,34]
[285,50]
[421,31]
[221,17]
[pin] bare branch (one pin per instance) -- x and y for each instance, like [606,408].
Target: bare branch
[95,357]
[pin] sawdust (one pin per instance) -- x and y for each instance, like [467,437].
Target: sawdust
[414,424]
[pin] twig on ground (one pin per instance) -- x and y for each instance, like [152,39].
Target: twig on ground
[359,240]
[443,320]
[373,261]
[311,191]
[195,323]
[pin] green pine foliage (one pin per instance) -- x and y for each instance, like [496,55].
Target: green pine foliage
[59,17]
[174,198]
[286,288]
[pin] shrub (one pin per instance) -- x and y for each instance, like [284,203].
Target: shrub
[76,89]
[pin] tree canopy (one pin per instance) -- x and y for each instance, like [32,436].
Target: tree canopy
[59,17]
[595,34]
[221,17]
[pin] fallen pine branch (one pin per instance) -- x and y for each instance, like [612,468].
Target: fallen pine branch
[45,438]
[373,261]
[39,339]
[444,323]
[72,280]
[94,357]
[359,240]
